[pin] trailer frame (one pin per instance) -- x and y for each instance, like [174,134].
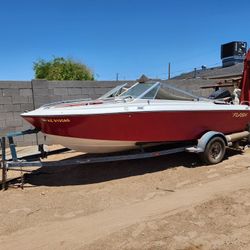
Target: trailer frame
[15,162]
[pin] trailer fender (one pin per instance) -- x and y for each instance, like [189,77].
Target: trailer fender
[203,141]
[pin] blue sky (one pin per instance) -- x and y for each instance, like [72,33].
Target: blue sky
[129,37]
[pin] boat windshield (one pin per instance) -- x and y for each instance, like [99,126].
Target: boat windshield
[170,92]
[142,91]
[157,90]
[149,91]
[118,90]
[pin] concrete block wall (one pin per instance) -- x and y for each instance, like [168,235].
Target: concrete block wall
[15,98]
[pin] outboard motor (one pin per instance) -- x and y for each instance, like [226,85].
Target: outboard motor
[219,94]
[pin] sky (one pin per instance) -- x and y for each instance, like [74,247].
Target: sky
[124,37]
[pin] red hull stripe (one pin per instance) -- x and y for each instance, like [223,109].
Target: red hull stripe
[143,126]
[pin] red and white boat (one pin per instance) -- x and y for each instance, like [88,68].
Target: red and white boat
[143,114]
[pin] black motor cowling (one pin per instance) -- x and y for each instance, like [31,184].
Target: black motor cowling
[219,94]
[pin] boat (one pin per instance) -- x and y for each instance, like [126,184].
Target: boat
[146,113]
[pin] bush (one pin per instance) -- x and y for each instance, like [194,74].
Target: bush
[62,69]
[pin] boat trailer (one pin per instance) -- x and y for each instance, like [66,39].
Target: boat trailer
[211,147]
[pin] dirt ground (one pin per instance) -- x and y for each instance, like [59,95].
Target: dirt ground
[171,202]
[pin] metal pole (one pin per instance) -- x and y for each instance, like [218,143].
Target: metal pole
[34,105]
[12,148]
[169,72]
[195,72]
[3,163]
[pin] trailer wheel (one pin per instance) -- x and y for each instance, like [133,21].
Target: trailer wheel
[214,151]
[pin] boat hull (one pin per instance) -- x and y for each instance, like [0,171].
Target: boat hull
[121,131]
[91,145]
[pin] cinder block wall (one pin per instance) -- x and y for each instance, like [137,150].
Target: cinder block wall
[15,98]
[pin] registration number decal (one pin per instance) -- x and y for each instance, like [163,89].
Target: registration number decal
[56,120]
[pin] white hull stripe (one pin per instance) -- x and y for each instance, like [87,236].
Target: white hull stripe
[91,145]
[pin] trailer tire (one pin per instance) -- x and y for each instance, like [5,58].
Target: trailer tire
[214,151]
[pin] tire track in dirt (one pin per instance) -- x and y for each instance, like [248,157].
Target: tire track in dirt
[79,232]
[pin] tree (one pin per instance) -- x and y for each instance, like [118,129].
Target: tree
[60,68]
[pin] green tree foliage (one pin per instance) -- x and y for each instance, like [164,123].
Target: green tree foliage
[62,69]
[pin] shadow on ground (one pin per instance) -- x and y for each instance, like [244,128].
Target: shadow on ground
[101,172]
